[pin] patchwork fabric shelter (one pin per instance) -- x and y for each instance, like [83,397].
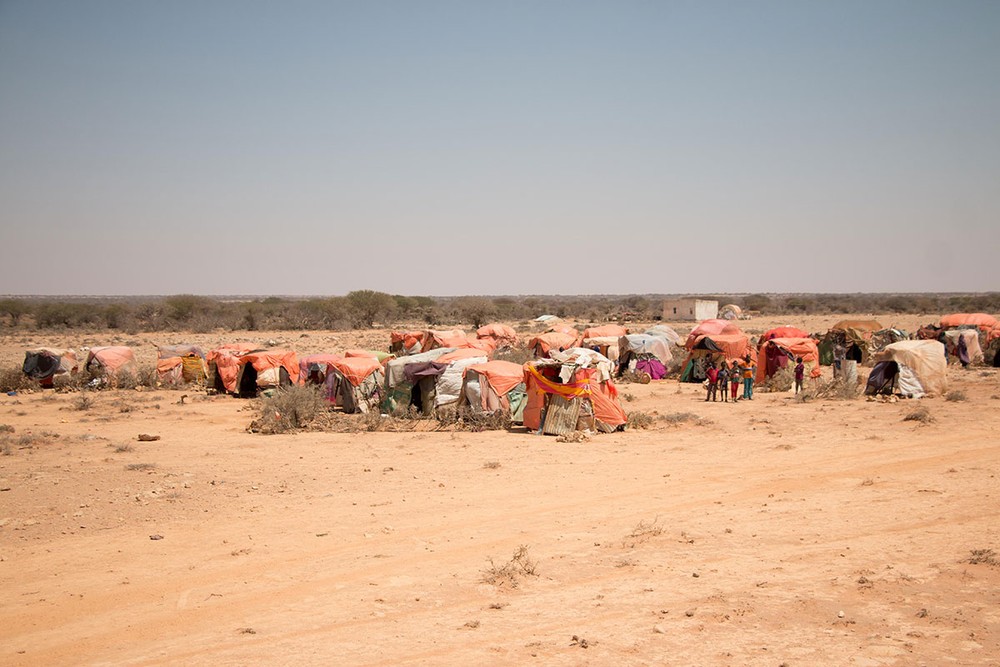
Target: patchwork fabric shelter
[638,352]
[494,386]
[355,384]
[663,331]
[963,344]
[782,332]
[403,388]
[854,335]
[111,361]
[264,369]
[224,364]
[543,344]
[911,368]
[572,393]
[314,368]
[607,331]
[501,335]
[979,320]
[714,341]
[45,364]
[180,364]
[777,353]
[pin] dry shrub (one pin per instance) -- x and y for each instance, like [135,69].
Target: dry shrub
[140,467]
[6,428]
[13,379]
[836,388]
[491,465]
[921,415]
[70,382]
[84,401]
[982,557]
[475,421]
[290,408]
[516,355]
[675,418]
[144,376]
[509,574]
[6,449]
[782,380]
[643,532]
[640,420]
[956,396]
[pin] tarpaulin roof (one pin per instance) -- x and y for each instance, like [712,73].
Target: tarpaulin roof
[265,359]
[394,369]
[501,375]
[732,346]
[605,331]
[46,362]
[416,371]
[464,353]
[552,340]
[585,383]
[804,347]
[323,359]
[501,333]
[113,358]
[664,331]
[783,332]
[925,358]
[970,337]
[712,328]
[657,346]
[453,338]
[860,325]
[381,357]
[981,320]
[356,369]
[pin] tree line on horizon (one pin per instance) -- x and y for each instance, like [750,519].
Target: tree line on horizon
[368,308]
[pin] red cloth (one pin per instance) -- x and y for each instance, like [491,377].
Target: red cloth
[713,375]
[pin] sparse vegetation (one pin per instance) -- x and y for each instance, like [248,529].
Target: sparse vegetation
[982,557]
[491,465]
[289,409]
[643,532]
[510,574]
[675,418]
[83,402]
[921,415]
[956,396]
[140,467]
[13,379]
[640,420]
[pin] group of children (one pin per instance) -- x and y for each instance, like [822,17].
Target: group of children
[726,377]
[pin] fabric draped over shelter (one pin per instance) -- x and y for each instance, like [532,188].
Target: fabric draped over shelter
[543,344]
[779,352]
[44,364]
[111,360]
[922,366]
[979,320]
[177,364]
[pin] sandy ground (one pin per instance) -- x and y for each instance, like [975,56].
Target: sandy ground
[827,532]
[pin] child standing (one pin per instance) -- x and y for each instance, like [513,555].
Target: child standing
[713,381]
[800,371]
[748,369]
[724,381]
[734,379]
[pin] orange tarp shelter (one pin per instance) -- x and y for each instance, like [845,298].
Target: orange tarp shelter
[980,320]
[500,334]
[585,385]
[356,369]
[796,347]
[542,344]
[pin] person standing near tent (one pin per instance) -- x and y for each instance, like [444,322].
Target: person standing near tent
[712,375]
[748,368]
[734,380]
[800,372]
[724,381]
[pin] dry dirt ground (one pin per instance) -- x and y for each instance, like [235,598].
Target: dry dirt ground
[827,532]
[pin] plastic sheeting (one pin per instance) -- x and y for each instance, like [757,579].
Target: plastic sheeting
[925,364]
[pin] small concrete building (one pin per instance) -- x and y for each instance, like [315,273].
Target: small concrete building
[690,309]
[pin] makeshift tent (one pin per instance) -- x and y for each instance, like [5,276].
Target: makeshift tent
[713,341]
[416,342]
[572,393]
[45,364]
[855,336]
[663,331]
[607,331]
[448,385]
[777,353]
[381,357]
[403,390]
[111,361]
[314,368]
[606,345]
[264,369]
[782,332]
[912,368]
[500,335]
[644,353]
[979,320]
[223,365]
[494,386]
[542,344]
[180,364]
[354,384]
[730,312]
[406,342]
[957,339]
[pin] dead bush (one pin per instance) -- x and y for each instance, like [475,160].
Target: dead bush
[836,389]
[956,396]
[921,415]
[640,420]
[782,380]
[6,449]
[6,428]
[70,382]
[144,376]
[509,574]
[289,409]
[12,379]
[83,402]
[675,418]
[141,467]
[643,532]
[475,421]
[982,557]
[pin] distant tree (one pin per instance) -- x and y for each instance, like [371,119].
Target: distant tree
[756,302]
[15,309]
[368,306]
[182,307]
[475,309]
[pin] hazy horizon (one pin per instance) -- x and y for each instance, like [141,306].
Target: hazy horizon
[454,148]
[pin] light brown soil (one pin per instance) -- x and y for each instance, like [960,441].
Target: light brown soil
[775,531]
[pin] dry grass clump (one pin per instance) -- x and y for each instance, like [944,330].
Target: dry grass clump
[782,380]
[676,418]
[466,419]
[956,396]
[837,389]
[83,402]
[509,574]
[141,467]
[921,415]
[640,420]
[13,379]
[145,377]
[982,557]
[6,448]
[6,428]
[289,409]
[491,465]
[643,532]
[70,382]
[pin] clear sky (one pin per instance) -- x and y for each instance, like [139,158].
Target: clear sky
[499,147]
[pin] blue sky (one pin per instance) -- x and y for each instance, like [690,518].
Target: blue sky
[499,147]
